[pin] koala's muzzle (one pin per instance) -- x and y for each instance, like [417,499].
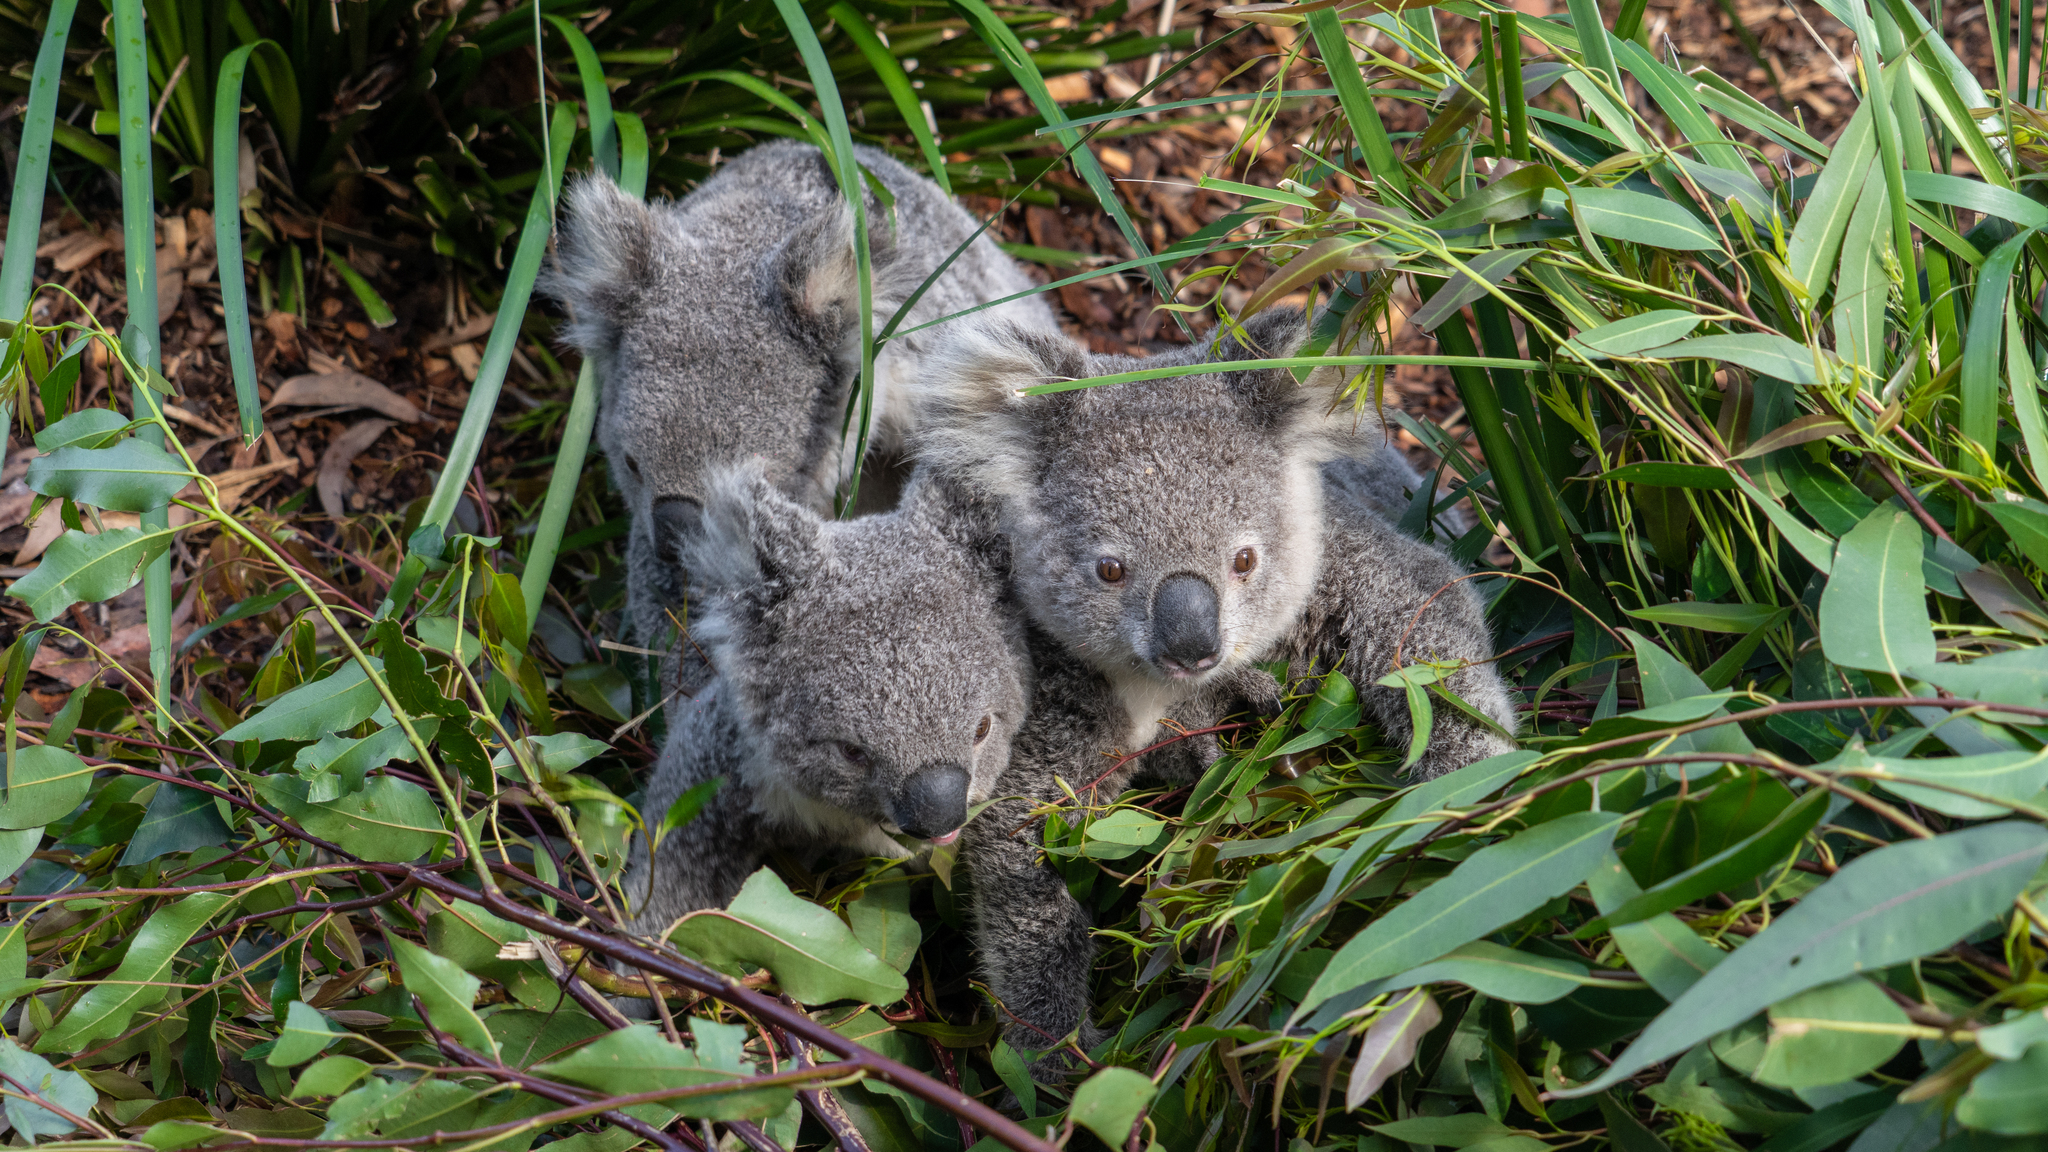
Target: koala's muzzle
[932,803]
[676,519]
[1185,631]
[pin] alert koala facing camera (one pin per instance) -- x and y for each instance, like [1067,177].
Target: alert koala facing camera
[725,327]
[871,674]
[1169,537]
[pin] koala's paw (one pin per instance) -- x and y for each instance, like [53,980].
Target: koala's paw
[1448,753]
[1254,690]
[1053,1067]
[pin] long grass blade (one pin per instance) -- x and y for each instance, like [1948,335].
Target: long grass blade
[897,82]
[597,98]
[426,544]
[1367,128]
[31,174]
[852,185]
[140,336]
[567,474]
[32,168]
[227,234]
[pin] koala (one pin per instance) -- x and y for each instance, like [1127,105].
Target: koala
[1167,537]
[725,326]
[871,675]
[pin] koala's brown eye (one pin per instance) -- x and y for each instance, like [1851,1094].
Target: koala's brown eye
[1110,569]
[981,730]
[633,466]
[854,753]
[1244,561]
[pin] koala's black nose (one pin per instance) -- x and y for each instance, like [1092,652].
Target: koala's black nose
[1184,624]
[676,519]
[932,802]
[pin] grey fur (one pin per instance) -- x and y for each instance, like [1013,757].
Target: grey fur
[725,328]
[1173,478]
[888,633]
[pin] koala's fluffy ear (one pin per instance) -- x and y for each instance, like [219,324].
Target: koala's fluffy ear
[1308,413]
[604,260]
[979,425]
[819,277]
[757,544]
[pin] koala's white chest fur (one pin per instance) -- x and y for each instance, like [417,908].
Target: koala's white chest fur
[1146,702]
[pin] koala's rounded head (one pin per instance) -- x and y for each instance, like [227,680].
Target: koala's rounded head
[876,660]
[724,327]
[1169,529]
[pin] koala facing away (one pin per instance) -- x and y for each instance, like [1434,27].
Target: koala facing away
[725,327]
[871,676]
[1169,536]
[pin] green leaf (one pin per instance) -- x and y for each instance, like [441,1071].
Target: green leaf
[179,819]
[1335,704]
[1512,197]
[1499,972]
[2001,775]
[1132,826]
[306,1033]
[174,1135]
[446,992]
[131,476]
[390,821]
[1662,474]
[1766,353]
[107,1007]
[2005,1098]
[601,688]
[1724,870]
[2011,1039]
[1883,908]
[688,805]
[812,954]
[67,1090]
[1734,618]
[1109,1103]
[88,428]
[1804,1053]
[637,1059]
[330,1076]
[1457,1131]
[1632,334]
[1471,282]
[90,568]
[1873,614]
[45,784]
[1817,236]
[882,922]
[1498,885]
[337,764]
[342,700]
[1812,547]
[2024,518]
[1640,218]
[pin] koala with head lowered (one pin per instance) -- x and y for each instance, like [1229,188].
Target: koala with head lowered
[725,327]
[871,674]
[1168,536]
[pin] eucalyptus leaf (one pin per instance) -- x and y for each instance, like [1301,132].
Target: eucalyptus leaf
[812,954]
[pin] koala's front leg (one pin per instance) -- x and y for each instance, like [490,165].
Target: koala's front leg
[1385,597]
[1033,936]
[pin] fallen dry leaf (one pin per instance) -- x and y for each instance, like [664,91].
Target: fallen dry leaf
[344,389]
[237,484]
[467,360]
[75,251]
[334,463]
[477,326]
[14,502]
[284,328]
